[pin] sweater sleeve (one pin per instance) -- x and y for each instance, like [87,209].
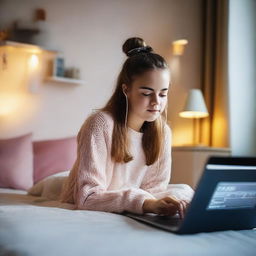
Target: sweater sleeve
[94,154]
[158,176]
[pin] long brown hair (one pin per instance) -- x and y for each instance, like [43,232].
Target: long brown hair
[140,60]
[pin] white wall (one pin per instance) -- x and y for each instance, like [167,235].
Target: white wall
[90,34]
[242,76]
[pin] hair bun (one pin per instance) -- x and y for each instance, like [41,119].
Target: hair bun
[135,45]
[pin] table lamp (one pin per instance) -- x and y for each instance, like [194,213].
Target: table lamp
[195,108]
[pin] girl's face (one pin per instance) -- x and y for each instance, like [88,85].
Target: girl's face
[148,95]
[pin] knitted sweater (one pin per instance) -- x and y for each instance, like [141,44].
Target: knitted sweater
[98,183]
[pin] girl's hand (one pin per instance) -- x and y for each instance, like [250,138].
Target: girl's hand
[165,206]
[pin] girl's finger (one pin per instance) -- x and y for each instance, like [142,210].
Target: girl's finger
[181,210]
[184,207]
[175,202]
[171,209]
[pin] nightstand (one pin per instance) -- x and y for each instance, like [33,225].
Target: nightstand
[188,162]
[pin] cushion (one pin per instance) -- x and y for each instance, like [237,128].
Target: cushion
[49,187]
[16,162]
[53,156]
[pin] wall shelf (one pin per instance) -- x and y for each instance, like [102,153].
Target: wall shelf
[35,49]
[66,80]
[29,47]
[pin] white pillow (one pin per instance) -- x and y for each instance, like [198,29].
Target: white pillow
[50,187]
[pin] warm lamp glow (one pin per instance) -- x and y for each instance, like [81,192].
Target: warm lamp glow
[195,106]
[33,73]
[33,62]
[193,114]
[178,46]
[181,42]
[10,103]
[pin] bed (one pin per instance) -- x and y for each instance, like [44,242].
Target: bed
[32,225]
[39,225]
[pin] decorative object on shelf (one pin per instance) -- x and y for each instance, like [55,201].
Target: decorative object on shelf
[72,73]
[4,34]
[58,67]
[40,15]
[195,108]
[60,74]
[178,46]
[40,22]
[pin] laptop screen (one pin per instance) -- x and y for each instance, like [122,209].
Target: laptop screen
[232,195]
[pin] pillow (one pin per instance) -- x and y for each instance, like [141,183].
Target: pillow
[53,156]
[16,162]
[50,187]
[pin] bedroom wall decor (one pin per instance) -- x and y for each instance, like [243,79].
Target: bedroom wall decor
[178,46]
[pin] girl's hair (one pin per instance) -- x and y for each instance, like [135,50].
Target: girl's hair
[140,59]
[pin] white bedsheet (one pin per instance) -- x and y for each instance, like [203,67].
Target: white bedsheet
[36,226]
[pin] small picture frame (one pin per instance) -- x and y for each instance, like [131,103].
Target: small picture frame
[58,67]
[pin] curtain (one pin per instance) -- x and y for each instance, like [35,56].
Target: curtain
[215,128]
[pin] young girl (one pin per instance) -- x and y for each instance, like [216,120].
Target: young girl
[124,150]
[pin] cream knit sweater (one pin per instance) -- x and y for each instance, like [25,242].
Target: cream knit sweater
[98,183]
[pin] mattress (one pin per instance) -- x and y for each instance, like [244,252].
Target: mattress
[32,225]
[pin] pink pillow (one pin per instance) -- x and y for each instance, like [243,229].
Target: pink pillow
[52,156]
[16,162]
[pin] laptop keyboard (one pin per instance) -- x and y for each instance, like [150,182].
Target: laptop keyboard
[163,220]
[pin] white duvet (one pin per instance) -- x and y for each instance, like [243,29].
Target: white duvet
[37,226]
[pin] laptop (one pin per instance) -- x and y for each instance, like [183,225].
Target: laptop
[225,199]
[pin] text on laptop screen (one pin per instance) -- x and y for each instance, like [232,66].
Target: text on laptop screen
[233,195]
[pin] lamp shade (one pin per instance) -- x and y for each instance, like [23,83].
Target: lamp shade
[195,105]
